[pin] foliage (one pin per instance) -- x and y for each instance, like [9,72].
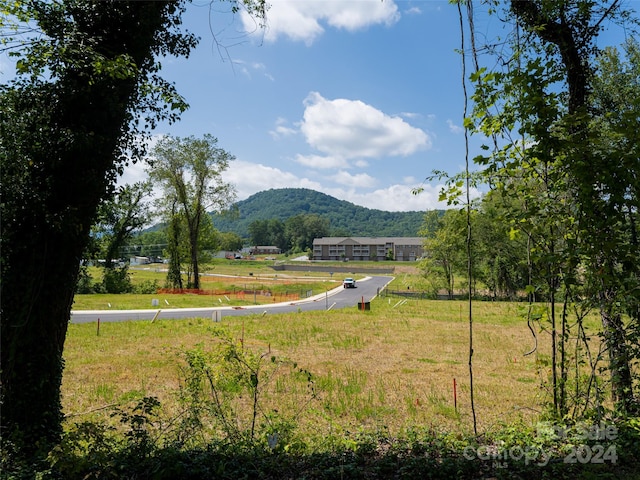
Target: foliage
[118,219]
[116,280]
[346,219]
[300,230]
[269,232]
[147,450]
[190,173]
[177,247]
[225,389]
[229,241]
[84,285]
[369,446]
[445,249]
[87,86]
[148,243]
[296,234]
[551,165]
[499,255]
[499,252]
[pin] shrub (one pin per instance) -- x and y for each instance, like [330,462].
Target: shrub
[84,284]
[117,280]
[147,286]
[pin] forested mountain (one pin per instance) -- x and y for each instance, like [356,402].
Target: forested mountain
[346,219]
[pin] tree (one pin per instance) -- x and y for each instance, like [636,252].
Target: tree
[570,28]
[175,251]
[277,234]
[269,232]
[190,172]
[615,103]
[65,125]
[571,191]
[86,80]
[259,232]
[118,218]
[230,241]
[500,256]
[444,248]
[302,229]
[150,243]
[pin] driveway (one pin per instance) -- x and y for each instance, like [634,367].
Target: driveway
[339,297]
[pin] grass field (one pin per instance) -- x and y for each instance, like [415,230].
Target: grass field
[223,283]
[377,394]
[331,394]
[392,367]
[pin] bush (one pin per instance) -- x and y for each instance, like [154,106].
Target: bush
[117,280]
[84,284]
[148,286]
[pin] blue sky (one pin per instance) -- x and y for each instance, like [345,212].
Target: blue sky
[359,99]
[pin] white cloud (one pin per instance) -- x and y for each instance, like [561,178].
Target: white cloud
[410,115]
[351,129]
[133,173]
[249,178]
[320,161]
[137,172]
[262,68]
[303,20]
[398,198]
[248,69]
[453,128]
[359,180]
[282,130]
[361,163]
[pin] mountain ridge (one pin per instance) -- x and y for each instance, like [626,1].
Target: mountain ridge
[346,218]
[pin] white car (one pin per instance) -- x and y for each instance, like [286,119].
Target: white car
[349,283]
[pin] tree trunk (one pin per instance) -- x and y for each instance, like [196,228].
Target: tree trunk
[616,343]
[615,339]
[193,222]
[58,151]
[37,294]
[194,263]
[174,272]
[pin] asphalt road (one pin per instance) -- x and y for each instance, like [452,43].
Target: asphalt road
[366,290]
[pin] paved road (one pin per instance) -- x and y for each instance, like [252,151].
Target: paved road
[339,297]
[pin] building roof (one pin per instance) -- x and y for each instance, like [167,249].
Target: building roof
[368,240]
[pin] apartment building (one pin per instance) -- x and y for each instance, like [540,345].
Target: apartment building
[368,248]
